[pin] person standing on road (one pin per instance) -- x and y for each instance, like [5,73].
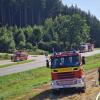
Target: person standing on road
[47,63]
[47,60]
[99,75]
[83,60]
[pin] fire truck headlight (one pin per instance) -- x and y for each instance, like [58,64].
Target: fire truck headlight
[79,81]
[52,83]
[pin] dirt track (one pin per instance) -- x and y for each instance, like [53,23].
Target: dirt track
[92,89]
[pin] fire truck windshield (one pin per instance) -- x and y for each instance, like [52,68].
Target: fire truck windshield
[63,62]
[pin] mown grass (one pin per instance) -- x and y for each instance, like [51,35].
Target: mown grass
[92,62]
[97,48]
[12,86]
[17,86]
[16,63]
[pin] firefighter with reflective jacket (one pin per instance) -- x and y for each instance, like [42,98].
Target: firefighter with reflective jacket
[99,75]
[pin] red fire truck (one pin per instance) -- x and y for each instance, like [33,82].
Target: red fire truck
[19,56]
[88,47]
[67,71]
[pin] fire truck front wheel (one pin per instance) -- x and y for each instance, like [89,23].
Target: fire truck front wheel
[56,91]
[82,89]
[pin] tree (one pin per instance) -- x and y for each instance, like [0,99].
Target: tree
[48,30]
[29,46]
[70,30]
[61,27]
[20,39]
[37,35]
[28,33]
[78,31]
[7,43]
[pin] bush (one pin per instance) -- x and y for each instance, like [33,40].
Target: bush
[36,52]
[4,56]
[29,46]
[48,46]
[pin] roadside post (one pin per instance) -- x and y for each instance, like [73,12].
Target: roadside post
[99,75]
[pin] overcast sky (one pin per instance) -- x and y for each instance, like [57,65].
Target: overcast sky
[87,5]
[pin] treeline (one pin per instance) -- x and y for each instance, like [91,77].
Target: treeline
[61,33]
[31,24]
[28,12]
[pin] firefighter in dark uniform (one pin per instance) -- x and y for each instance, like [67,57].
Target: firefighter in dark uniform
[47,63]
[99,75]
[47,60]
[83,60]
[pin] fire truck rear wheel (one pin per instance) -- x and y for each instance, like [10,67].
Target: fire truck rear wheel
[55,91]
[83,90]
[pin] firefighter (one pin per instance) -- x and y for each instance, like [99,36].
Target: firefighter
[99,75]
[47,60]
[83,60]
[47,63]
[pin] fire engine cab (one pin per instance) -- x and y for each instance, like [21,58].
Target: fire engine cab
[67,71]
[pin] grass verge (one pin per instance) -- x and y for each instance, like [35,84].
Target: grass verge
[97,48]
[15,63]
[12,86]
[4,56]
[92,62]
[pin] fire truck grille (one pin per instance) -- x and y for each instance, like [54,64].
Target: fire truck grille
[65,75]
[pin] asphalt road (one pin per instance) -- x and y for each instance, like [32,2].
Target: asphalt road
[38,61]
[4,62]
[90,53]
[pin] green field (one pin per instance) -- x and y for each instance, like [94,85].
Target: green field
[18,85]
[92,62]
[97,48]
[4,56]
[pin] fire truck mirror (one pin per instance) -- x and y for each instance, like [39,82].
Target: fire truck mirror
[83,60]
